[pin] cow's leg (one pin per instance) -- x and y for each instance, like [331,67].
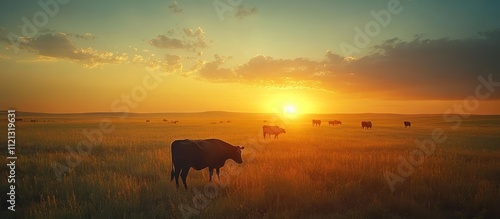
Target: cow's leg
[218,171]
[176,175]
[184,174]
[211,172]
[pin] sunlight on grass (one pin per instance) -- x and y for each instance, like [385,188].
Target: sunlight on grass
[309,172]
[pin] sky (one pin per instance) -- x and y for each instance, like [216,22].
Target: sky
[321,56]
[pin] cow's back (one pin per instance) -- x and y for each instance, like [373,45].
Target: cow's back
[272,129]
[268,129]
[211,148]
[188,153]
[207,152]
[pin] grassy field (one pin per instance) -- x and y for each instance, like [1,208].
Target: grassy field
[309,172]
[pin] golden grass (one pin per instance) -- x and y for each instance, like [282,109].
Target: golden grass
[309,172]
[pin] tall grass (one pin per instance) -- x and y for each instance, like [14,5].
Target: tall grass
[309,172]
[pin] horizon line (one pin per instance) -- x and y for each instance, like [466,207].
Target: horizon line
[235,112]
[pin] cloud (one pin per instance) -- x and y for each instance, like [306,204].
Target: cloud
[3,35]
[261,71]
[198,32]
[419,69]
[172,59]
[165,42]
[138,59]
[423,68]
[187,39]
[174,7]
[54,46]
[170,63]
[213,71]
[268,68]
[58,45]
[242,11]
[85,36]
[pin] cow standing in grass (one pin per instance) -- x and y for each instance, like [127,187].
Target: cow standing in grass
[407,124]
[366,124]
[316,122]
[199,154]
[334,122]
[272,130]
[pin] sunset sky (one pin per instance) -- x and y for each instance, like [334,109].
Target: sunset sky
[320,56]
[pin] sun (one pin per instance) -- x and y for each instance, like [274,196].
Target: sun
[289,109]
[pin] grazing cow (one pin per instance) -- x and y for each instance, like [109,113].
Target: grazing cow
[272,130]
[200,154]
[366,124]
[164,120]
[316,122]
[334,122]
[147,120]
[407,124]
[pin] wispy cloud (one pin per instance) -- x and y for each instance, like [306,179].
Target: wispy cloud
[166,42]
[242,11]
[174,7]
[85,36]
[187,39]
[58,45]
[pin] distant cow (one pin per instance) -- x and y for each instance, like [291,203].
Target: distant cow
[366,124]
[316,122]
[164,120]
[334,122]
[407,124]
[272,130]
[147,120]
[200,154]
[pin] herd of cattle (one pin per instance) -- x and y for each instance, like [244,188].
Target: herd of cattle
[213,153]
[364,124]
[276,130]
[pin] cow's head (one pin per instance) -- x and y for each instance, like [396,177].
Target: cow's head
[236,156]
[283,130]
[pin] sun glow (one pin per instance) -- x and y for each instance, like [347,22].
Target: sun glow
[289,110]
